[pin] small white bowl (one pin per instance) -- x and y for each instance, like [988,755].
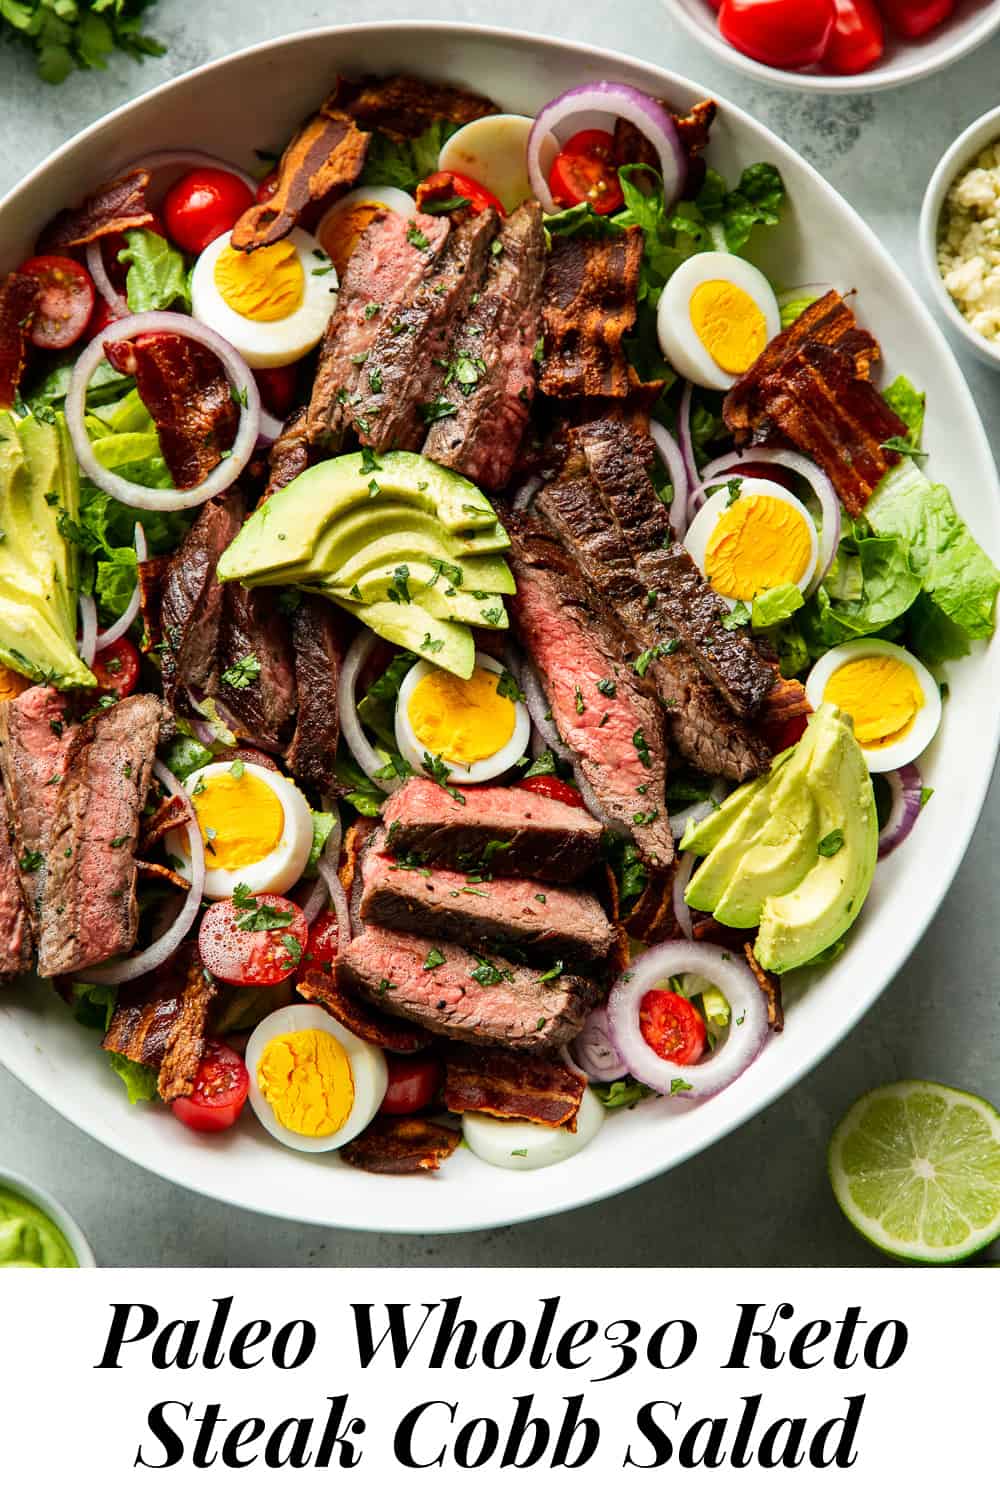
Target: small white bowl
[902,62]
[956,160]
[75,1237]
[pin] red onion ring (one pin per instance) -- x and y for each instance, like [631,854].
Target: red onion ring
[593,1053]
[680,517]
[324,889]
[184,157]
[117,304]
[681,909]
[87,644]
[669,450]
[168,942]
[539,712]
[907,787]
[239,376]
[730,974]
[269,429]
[123,623]
[617,101]
[371,761]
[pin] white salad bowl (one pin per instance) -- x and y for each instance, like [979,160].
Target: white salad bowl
[254,100]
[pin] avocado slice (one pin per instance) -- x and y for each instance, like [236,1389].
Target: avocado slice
[778,859]
[701,838]
[427,586]
[734,830]
[445,644]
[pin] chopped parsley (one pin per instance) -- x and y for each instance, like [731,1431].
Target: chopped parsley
[434,959]
[642,819]
[438,771]
[427,644]
[639,741]
[487,974]
[653,653]
[259,917]
[236,770]
[434,411]
[549,977]
[375,382]
[242,674]
[831,843]
[578,700]
[31,860]
[417,238]
[608,687]
[678,1086]
[507,687]
[739,615]
[292,947]
[371,308]
[399,593]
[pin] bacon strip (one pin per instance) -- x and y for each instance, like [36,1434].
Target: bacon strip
[401,1146]
[771,986]
[786,700]
[150,871]
[327,153]
[631,146]
[402,107]
[17,312]
[170,814]
[160,1021]
[362,1020]
[185,390]
[513,1086]
[110,209]
[588,306]
[152,574]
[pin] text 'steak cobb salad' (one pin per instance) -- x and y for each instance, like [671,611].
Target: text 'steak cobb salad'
[466,634]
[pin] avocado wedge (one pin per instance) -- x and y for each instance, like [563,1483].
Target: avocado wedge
[446,644]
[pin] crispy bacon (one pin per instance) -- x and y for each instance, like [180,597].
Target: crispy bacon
[631,146]
[371,1025]
[326,154]
[160,1021]
[588,306]
[771,986]
[402,107]
[511,1085]
[17,311]
[786,700]
[110,209]
[401,1146]
[150,871]
[151,576]
[170,814]
[185,390]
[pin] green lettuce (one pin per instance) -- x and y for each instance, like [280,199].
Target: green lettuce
[322,828]
[909,404]
[775,605]
[377,709]
[888,588]
[93,1005]
[404,164]
[756,199]
[140,1081]
[185,755]
[361,792]
[157,277]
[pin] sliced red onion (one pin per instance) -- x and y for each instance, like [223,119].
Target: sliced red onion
[680,515]
[907,787]
[747,1032]
[594,1052]
[120,970]
[526,492]
[123,623]
[269,429]
[184,157]
[821,486]
[566,1058]
[669,450]
[117,304]
[538,709]
[562,117]
[239,377]
[681,909]
[697,810]
[87,643]
[371,761]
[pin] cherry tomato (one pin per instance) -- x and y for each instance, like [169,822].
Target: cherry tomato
[203,204]
[782,33]
[258,941]
[65,301]
[443,187]
[413,1084]
[858,38]
[267,186]
[786,732]
[117,668]
[554,789]
[585,171]
[321,946]
[277,388]
[100,318]
[221,1085]
[914,18]
[672,1027]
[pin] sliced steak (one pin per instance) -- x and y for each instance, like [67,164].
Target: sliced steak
[404,370]
[36,740]
[511,1086]
[503,912]
[385,271]
[89,910]
[589,304]
[160,1020]
[496,341]
[289,455]
[256,671]
[462,994]
[16,946]
[318,653]
[191,604]
[517,832]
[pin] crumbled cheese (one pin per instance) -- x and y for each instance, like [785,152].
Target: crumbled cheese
[969,244]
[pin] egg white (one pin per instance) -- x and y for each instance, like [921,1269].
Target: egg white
[699,533]
[385,197]
[368,1069]
[277,871]
[678,339]
[927,720]
[265,345]
[481,770]
[493,150]
[522,1146]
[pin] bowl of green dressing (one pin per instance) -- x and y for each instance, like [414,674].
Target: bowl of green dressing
[36,1232]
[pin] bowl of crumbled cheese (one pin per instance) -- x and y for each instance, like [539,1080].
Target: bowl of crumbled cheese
[960,236]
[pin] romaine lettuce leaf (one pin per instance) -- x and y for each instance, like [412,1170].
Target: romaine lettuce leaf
[157,277]
[909,404]
[775,605]
[139,1080]
[404,164]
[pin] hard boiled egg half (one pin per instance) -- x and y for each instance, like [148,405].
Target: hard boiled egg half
[522,1146]
[272,304]
[471,726]
[892,698]
[715,317]
[256,825]
[753,535]
[313,1084]
[342,226]
[493,150]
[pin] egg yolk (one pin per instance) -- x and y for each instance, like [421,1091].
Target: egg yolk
[729,323]
[881,694]
[342,232]
[306,1078]
[241,820]
[758,542]
[461,721]
[12,684]
[265,285]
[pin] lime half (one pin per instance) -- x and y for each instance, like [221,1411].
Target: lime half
[916,1169]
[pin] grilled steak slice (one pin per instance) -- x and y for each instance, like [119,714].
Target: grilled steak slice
[515,832]
[89,910]
[385,271]
[160,1020]
[289,455]
[191,606]
[16,946]
[400,1147]
[402,107]
[402,362]
[588,306]
[511,1086]
[465,995]
[318,652]
[18,299]
[505,912]
[36,741]
[256,673]
[497,337]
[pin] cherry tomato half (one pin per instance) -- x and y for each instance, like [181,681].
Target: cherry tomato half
[221,1085]
[65,301]
[858,38]
[117,668]
[554,789]
[203,204]
[781,33]
[444,187]
[413,1084]
[321,946]
[267,186]
[259,941]
[585,171]
[672,1026]
[277,388]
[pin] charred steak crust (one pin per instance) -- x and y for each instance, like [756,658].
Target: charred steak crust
[290,455]
[192,602]
[36,741]
[318,654]
[16,946]
[254,629]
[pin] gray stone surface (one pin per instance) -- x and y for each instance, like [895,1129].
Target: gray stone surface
[760,1197]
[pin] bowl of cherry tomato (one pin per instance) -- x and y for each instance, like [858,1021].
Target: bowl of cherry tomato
[838,46]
